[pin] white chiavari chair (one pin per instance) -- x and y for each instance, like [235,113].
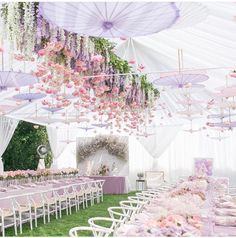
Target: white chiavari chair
[22,208]
[138,205]
[121,213]
[96,232]
[95,191]
[149,196]
[88,193]
[51,203]
[114,224]
[7,215]
[79,190]
[62,200]
[71,198]
[100,184]
[139,198]
[37,205]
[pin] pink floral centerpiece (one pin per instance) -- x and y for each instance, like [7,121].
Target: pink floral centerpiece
[103,170]
[21,174]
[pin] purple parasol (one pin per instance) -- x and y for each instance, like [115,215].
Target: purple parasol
[29,96]
[182,80]
[219,138]
[111,19]
[101,124]
[6,108]
[52,109]
[221,116]
[189,102]
[145,134]
[85,128]
[9,79]
[192,130]
[228,125]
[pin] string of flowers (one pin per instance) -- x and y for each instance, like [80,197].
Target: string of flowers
[20,174]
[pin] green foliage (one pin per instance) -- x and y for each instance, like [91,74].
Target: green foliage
[21,152]
[147,86]
[105,47]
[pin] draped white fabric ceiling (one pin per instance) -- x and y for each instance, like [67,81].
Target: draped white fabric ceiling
[208,40]
[205,32]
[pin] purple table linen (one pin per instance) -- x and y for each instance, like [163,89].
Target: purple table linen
[113,184]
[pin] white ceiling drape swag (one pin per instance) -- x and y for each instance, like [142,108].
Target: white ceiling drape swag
[7,128]
[56,137]
[157,143]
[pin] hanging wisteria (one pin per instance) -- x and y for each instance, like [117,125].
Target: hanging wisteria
[78,72]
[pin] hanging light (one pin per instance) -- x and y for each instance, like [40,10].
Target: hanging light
[36,126]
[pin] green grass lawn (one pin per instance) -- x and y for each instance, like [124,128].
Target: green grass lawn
[62,226]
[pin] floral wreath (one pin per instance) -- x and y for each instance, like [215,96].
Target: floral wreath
[111,143]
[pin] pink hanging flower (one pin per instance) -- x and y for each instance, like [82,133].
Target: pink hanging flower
[1,50]
[115,90]
[82,90]
[141,67]
[58,46]
[48,91]
[69,85]
[42,52]
[97,59]
[19,57]
[132,61]
[44,102]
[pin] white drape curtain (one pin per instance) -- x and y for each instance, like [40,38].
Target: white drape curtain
[7,128]
[158,143]
[139,160]
[58,140]
[178,159]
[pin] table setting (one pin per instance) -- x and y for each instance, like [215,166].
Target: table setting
[193,208]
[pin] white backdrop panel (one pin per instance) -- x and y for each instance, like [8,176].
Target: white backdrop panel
[178,159]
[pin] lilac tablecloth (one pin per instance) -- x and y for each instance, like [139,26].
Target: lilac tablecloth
[113,184]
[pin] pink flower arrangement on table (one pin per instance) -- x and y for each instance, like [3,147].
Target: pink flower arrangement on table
[21,174]
[103,170]
[170,225]
[174,213]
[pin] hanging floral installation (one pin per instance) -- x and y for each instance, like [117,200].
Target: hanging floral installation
[79,72]
[111,143]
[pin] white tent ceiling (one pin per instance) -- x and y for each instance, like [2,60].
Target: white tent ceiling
[205,32]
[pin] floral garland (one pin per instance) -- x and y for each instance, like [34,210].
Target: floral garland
[110,143]
[21,174]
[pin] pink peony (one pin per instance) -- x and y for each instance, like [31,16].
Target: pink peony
[42,52]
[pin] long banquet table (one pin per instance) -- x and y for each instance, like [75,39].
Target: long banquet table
[113,184]
[183,212]
[6,194]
